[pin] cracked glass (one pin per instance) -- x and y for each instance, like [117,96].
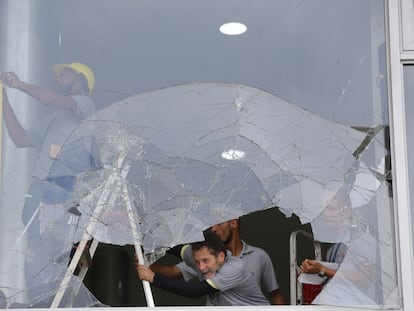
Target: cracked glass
[185,128]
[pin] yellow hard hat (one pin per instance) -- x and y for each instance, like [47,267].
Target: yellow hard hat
[79,68]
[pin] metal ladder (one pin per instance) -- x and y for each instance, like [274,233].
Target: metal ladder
[84,254]
[296,297]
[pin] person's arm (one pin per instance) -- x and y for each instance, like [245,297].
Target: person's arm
[166,270]
[315,267]
[326,271]
[169,270]
[43,95]
[176,251]
[16,132]
[277,297]
[183,288]
[177,286]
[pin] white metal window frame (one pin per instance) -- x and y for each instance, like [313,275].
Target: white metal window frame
[397,57]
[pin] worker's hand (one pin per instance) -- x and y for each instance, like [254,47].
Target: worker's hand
[144,273]
[10,79]
[310,266]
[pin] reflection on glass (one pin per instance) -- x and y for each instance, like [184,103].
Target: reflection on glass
[293,115]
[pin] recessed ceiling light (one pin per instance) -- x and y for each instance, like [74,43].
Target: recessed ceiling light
[233,154]
[233,29]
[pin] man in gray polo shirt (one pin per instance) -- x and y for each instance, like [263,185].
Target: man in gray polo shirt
[225,279]
[255,258]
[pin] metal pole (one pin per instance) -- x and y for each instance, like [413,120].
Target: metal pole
[129,206]
[293,269]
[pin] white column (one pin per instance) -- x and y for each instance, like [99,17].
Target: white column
[16,164]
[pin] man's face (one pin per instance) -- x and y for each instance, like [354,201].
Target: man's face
[65,81]
[207,263]
[224,231]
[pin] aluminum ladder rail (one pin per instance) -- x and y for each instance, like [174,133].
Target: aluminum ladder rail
[295,286]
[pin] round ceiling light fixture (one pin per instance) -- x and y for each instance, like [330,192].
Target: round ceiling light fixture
[233,29]
[233,154]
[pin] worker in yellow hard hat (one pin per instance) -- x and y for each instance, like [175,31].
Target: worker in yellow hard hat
[53,178]
[74,84]
[86,75]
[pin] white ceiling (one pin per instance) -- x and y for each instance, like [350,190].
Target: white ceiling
[322,55]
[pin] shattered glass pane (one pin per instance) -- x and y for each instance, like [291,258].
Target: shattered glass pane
[292,115]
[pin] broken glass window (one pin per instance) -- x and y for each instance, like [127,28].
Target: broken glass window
[292,116]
